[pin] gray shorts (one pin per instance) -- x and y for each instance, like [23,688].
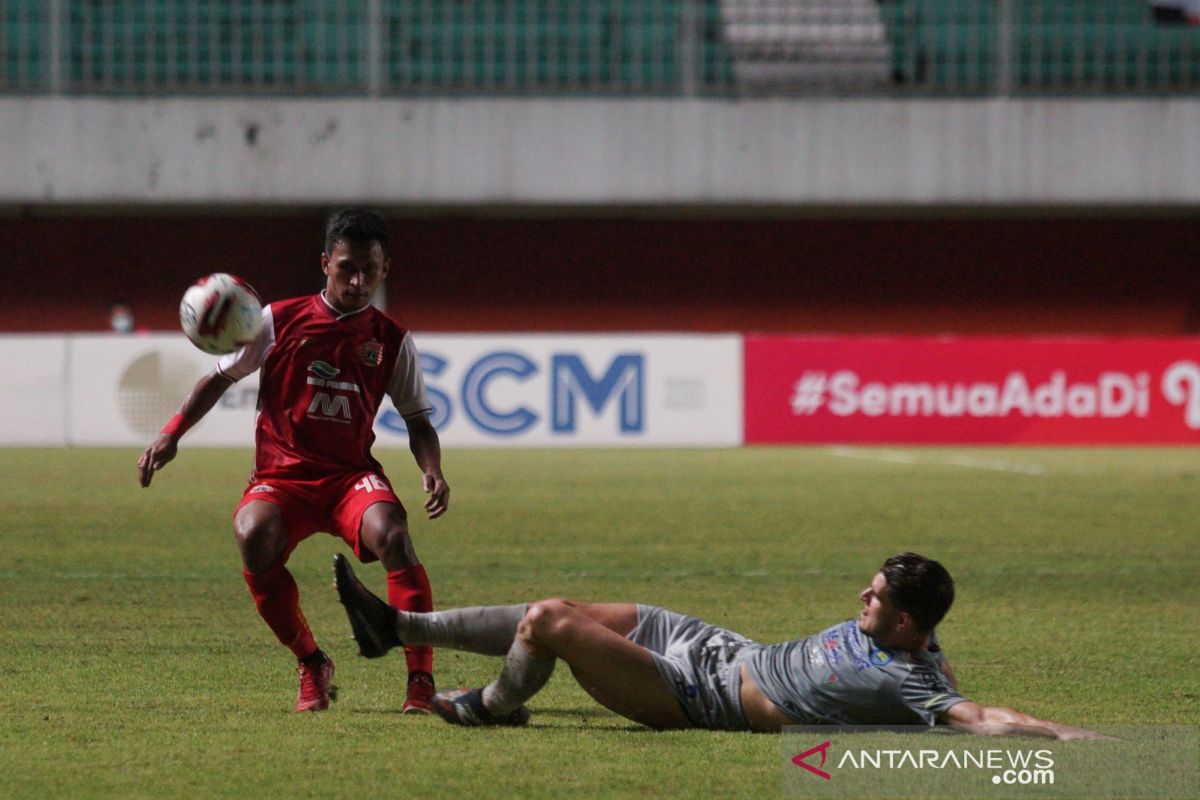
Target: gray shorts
[699,661]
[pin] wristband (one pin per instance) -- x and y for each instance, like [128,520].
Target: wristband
[177,426]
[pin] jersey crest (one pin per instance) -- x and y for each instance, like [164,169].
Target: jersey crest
[371,353]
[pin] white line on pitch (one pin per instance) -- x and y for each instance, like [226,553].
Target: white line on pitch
[890,456]
[966,462]
[996,465]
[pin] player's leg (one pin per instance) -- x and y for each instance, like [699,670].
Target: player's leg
[379,627]
[264,540]
[617,673]
[621,618]
[525,671]
[382,529]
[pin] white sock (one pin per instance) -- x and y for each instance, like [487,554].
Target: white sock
[489,630]
[522,677]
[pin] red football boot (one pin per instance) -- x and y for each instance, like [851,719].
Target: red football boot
[420,694]
[315,689]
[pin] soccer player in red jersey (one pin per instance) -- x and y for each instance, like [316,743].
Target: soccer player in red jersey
[326,363]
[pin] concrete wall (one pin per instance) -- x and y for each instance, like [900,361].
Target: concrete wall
[988,274]
[817,152]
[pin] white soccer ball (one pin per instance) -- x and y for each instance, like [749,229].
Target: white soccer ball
[220,313]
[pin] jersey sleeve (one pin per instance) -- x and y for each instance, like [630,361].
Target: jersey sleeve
[240,363]
[407,388]
[928,693]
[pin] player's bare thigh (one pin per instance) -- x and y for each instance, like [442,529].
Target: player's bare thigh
[621,618]
[617,673]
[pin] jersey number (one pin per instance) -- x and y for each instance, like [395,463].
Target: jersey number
[371,483]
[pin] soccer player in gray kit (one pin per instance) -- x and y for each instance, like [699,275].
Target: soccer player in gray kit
[667,670]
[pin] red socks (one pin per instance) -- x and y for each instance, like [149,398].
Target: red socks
[278,601]
[408,590]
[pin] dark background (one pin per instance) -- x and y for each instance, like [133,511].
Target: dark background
[1085,274]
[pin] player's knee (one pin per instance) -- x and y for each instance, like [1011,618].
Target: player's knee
[260,542]
[394,546]
[544,620]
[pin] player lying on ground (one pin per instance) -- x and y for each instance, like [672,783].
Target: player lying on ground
[667,670]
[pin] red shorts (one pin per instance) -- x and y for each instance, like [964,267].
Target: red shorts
[335,504]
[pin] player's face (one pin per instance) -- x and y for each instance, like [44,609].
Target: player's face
[352,274]
[879,617]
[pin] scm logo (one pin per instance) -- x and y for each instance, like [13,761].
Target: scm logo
[621,385]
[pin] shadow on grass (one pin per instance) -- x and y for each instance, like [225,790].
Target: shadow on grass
[552,713]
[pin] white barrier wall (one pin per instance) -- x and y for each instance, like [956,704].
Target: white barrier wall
[33,394]
[431,152]
[513,390]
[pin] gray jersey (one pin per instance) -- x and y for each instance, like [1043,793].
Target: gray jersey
[840,676]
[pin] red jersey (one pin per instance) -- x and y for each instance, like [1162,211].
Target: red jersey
[323,377]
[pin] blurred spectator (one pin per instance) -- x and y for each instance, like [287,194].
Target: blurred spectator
[120,317]
[1176,11]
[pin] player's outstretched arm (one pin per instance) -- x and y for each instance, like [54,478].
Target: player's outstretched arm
[427,450]
[971,717]
[200,401]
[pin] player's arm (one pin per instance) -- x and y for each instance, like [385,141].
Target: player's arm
[200,401]
[971,717]
[427,450]
[407,391]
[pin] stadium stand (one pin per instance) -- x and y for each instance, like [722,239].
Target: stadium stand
[604,47]
[1039,47]
[782,44]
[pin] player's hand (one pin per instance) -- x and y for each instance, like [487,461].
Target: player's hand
[439,494]
[156,457]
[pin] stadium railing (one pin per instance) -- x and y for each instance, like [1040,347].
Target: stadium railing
[599,47]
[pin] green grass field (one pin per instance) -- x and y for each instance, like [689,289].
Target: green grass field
[133,664]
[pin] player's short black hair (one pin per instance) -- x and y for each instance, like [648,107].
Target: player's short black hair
[355,226]
[919,586]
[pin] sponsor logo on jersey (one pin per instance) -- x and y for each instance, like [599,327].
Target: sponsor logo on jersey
[833,646]
[262,487]
[853,638]
[330,408]
[345,386]
[815,656]
[371,353]
[323,370]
